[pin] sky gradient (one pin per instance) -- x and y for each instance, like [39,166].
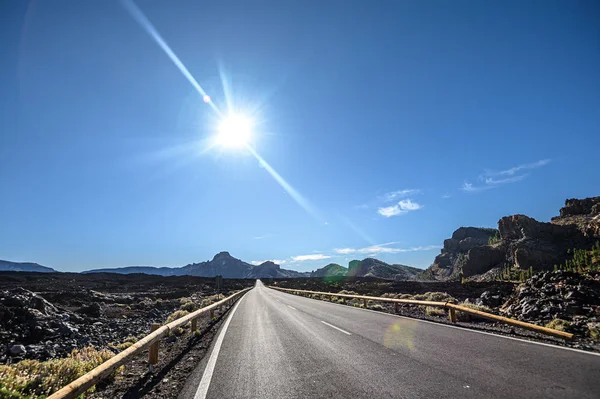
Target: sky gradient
[379,127]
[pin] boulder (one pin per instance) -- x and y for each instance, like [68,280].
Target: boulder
[17,350]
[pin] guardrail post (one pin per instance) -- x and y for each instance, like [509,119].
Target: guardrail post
[153,352]
[452,315]
[194,325]
[365,303]
[212,315]
[396,307]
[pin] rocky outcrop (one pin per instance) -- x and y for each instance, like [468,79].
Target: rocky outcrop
[538,245]
[331,270]
[371,267]
[572,297]
[584,214]
[520,242]
[449,264]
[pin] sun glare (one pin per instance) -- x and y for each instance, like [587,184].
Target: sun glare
[234,131]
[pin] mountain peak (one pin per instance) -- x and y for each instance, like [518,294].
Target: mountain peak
[222,255]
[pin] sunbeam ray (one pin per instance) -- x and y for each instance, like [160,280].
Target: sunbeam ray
[300,200]
[139,16]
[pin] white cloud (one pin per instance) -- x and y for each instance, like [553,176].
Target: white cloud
[515,169]
[385,249]
[302,258]
[391,196]
[471,188]
[390,211]
[446,196]
[345,250]
[260,262]
[493,179]
[400,208]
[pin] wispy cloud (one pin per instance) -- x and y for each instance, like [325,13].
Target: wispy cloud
[345,250]
[517,169]
[260,262]
[445,196]
[402,207]
[492,179]
[302,258]
[393,195]
[384,249]
[262,237]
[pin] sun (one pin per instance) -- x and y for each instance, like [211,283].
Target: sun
[234,131]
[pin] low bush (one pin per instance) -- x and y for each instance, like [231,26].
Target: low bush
[594,331]
[559,324]
[377,307]
[189,306]
[125,344]
[433,311]
[177,315]
[31,379]
[462,316]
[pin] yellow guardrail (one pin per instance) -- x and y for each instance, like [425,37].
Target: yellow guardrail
[452,308]
[151,340]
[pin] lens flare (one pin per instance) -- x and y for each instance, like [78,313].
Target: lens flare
[139,16]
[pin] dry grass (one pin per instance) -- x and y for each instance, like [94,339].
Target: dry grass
[462,316]
[433,311]
[31,379]
[559,324]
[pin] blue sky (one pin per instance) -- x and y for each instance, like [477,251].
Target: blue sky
[390,125]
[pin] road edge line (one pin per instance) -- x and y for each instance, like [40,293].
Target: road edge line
[210,365]
[456,327]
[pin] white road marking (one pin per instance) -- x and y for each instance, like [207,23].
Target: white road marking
[457,327]
[210,366]
[337,328]
[291,307]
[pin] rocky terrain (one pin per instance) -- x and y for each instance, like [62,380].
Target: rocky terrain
[520,243]
[565,300]
[47,315]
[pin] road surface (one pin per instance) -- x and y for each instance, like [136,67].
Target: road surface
[277,345]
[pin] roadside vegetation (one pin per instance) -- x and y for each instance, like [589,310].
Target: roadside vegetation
[32,379]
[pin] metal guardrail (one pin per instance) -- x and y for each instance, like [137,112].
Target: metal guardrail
[151,340]
[452,309]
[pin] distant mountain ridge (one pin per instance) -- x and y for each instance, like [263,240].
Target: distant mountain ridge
[229,267]
[8,266]
[222,263]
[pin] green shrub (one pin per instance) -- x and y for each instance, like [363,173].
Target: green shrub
[377,307]
[559,324]
[125,344]
[178,332]
[189,306]
[177,315]
[594,331]
[462,316]
[434,311]
[494,239]
[31,379]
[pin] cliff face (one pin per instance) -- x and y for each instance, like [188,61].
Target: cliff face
[450,262]
[520,242]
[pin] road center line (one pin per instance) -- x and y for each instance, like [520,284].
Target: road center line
[337,328]
[291,307]
[210,365]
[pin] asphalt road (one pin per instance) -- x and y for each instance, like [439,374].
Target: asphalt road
[277,345]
